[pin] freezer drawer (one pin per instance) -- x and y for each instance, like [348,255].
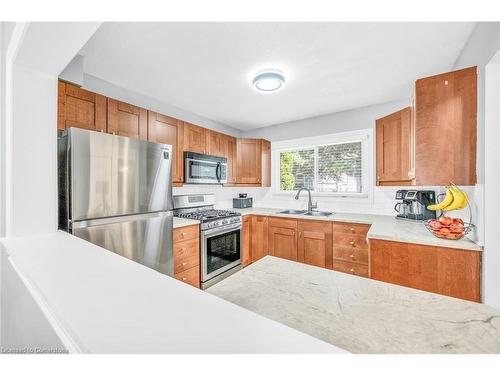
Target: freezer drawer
[146,239]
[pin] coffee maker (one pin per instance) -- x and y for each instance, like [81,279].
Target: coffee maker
[412,204]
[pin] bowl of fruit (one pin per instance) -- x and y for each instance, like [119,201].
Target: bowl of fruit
[448,228]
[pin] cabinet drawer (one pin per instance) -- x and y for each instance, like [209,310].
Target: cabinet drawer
[186,255]
[360,229]
[352,268]
[282,223]
[190,276]
[351,240]
[350,254]
[186,249]
[186,233]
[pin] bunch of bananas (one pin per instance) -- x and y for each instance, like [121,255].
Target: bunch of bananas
[455,199]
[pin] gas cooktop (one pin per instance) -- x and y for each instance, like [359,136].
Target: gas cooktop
[207,215]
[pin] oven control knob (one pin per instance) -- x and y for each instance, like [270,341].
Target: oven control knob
[225,222]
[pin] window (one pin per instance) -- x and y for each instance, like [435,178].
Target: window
[330,165]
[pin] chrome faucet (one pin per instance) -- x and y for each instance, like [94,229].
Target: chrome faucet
[310,204]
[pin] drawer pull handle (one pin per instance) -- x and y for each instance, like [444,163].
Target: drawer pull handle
[352,256]
[184,263]
[184,278]
[351,229]
[183,249]
[352,243]
[351,270]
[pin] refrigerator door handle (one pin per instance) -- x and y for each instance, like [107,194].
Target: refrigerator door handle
[119,219]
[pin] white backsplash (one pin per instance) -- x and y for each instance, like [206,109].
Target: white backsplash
[381,203]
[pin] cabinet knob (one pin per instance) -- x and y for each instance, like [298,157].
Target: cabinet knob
[184,278]
[351,270]
[182,234]
[183,249]
[351,256]
[184,263]
[351,229]
[352,243]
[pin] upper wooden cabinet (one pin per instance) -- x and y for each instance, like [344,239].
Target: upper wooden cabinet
[166,129]
[259,237]
[80,108]
[445,128]
[395,148]
[231,159]
[265,163]
[195,138]
[216,143]
[249,161]
[127,120]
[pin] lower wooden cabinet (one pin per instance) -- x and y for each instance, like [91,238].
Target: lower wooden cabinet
[246,256]
[283,238]
[350,267]
[259,238]
[451,272]
[187,254]
[314,244]
[350,248]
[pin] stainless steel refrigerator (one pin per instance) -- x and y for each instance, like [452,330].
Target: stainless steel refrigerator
[116,192]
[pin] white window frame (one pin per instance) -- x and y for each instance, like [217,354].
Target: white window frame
[364,136]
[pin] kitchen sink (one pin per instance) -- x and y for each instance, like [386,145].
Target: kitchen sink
[318,213]
[293,212]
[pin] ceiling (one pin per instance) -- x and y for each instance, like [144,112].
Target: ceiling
[207,68]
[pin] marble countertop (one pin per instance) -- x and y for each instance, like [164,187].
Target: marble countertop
[383,227]
[180,222]
[361,315]
[99,302]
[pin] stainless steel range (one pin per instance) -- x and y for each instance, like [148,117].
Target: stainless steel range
[220,236]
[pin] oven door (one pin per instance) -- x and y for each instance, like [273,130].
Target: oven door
[205,172]
[220,250]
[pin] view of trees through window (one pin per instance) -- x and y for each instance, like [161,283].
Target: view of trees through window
[335,168]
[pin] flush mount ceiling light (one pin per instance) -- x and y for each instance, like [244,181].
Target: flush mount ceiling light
[269,80]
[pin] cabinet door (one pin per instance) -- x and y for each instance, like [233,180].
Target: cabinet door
[389,262]
[195,138]
[80,108]
[246,257]
[266,163]
[260,241]
[231,159]
[216,143]
[127,120]
[315,243]
[395,148]
[165,129]
[459,273]
[445,128]
[422,267]
[249,159]
[283,238]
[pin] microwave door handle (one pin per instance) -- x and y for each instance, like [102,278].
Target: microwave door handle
[217,172]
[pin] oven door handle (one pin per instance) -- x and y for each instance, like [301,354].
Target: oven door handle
[224,229]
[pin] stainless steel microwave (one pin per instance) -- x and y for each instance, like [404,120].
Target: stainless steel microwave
[204,169]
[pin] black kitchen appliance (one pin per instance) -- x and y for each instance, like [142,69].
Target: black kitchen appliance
[242,202]
[412,204]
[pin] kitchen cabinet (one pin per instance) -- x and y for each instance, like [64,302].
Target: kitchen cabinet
[231,160]
[314,245]
[283,238]
[350,248]
[166,129]
[446,128]
[80,108]
[266,163]
[216,143]
[186,251]
[249,159]
[395,149]
[127,120]
[259,237]
[246,257]
[195,138]
[451,272]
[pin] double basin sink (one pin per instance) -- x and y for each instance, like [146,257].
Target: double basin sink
[306,213]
